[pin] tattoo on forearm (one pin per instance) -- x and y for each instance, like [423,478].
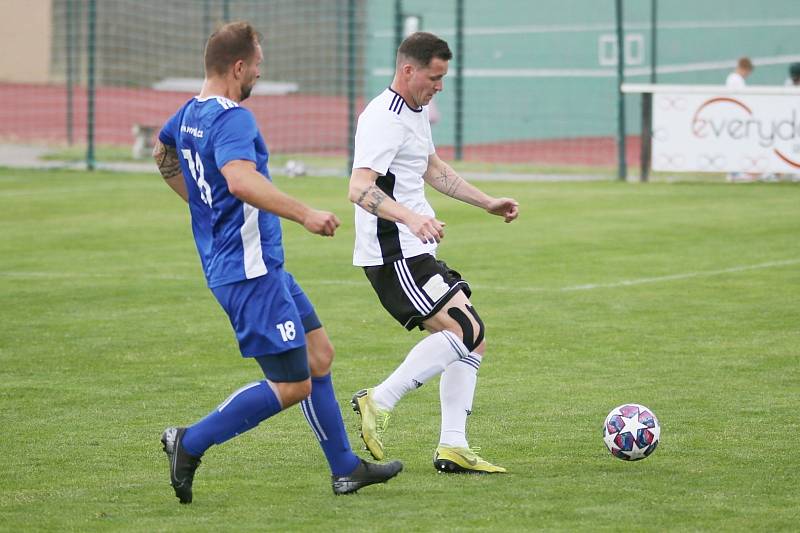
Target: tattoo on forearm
[450,182]
[371,199]
[167,160]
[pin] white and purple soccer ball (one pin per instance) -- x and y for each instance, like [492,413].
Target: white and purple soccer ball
[631,432]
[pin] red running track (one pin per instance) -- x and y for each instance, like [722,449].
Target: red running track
[290,123]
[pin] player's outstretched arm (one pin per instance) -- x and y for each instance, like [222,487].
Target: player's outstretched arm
[249,185]
[169,165]
[444,179]
[366,194]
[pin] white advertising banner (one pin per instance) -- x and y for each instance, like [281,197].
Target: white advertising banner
[726,132]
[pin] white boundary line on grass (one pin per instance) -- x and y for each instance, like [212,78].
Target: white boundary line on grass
[672,277]
[572,288]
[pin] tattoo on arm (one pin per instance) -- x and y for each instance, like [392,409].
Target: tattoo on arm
[371,199]
[450,182]
[167,160]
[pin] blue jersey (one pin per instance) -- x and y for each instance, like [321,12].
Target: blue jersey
[235,240]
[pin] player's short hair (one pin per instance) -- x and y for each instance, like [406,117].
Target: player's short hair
[744,63]
[228,44]
[421,47]
[794,70]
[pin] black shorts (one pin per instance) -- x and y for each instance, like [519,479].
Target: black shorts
[415,289]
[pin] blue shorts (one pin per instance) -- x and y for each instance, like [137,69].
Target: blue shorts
[270,314]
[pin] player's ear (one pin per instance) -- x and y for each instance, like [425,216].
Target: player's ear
[238,69]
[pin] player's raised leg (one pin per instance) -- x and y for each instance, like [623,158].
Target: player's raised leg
[427,359]
[422,291]
[243,410]
[412,290]
[268,329]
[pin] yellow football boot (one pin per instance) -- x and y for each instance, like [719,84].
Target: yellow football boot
[457,460]
[374,422]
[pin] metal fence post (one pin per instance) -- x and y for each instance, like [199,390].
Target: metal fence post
[69,26]
[653,40]
[398,27]
[92,27]
[206,19]
[622,172]
[646,135]
[459,82]
[647,99]
[351,82]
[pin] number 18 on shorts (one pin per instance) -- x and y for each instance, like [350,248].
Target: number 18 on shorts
[263,314]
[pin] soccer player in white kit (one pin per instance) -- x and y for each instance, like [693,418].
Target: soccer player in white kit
[397,233]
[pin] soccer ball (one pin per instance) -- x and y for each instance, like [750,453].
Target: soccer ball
[294,168]
[631,432]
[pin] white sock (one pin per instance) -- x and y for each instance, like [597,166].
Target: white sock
[456,391]
[427,359]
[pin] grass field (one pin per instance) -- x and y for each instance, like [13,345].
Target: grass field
[683,297]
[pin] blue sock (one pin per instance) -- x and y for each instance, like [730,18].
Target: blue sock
[243,410]
[322,412]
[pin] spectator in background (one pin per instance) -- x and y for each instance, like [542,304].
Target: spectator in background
[736,79]
[794,75]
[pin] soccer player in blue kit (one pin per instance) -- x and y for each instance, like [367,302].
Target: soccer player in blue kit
[211,153]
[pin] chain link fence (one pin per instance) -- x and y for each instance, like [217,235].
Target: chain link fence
[533,86]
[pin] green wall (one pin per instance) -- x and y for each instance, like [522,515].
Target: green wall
[556,86]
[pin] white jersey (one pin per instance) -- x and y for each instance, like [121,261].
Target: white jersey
[394,140]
